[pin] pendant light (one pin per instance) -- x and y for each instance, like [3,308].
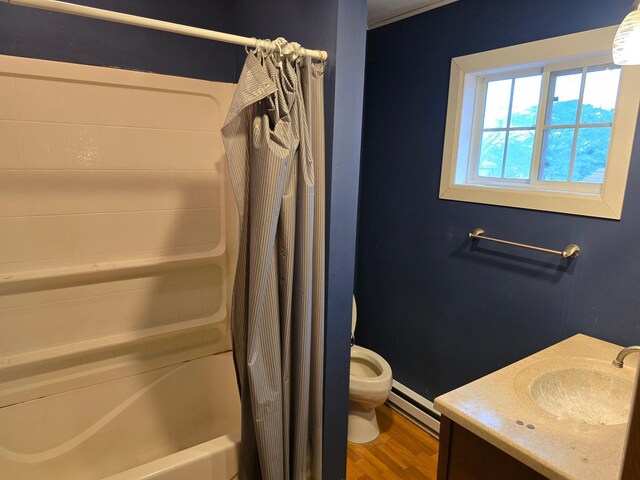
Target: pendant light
[626,45]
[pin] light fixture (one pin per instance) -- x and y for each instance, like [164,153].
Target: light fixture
[626,45]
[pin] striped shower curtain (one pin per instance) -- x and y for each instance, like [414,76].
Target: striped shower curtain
[274,141]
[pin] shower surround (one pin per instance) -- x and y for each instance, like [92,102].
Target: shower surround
[117,238]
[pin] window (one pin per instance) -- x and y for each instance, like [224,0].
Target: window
[547,125]
[525,138]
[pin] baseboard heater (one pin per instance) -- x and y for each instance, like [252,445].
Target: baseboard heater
[415,407]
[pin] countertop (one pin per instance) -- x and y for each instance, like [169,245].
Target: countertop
[493,406]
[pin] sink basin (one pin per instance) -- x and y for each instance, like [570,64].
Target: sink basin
[586,395]
[562,411]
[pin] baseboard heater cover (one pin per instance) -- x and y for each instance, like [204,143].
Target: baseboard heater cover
[414,406]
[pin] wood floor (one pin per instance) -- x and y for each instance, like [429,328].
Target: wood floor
[402,451]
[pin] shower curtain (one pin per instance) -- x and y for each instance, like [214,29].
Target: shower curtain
[274,141]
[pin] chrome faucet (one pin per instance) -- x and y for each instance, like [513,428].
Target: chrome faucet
[619,361]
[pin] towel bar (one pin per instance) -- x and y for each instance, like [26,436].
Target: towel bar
[570,251]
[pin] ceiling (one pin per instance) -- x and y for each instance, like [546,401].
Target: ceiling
[382,12]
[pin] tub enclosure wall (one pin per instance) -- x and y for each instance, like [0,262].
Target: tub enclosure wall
[116,227]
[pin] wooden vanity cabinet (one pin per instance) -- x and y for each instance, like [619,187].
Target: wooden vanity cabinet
[465,456]
[631,461]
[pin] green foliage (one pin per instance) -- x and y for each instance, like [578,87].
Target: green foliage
[592,146]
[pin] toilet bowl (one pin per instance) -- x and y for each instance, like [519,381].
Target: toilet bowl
[369,386]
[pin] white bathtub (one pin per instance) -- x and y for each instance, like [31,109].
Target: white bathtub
[175,423]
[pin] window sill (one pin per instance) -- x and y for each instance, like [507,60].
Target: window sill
[586,204]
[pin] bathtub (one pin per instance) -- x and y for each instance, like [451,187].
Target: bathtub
[174,423]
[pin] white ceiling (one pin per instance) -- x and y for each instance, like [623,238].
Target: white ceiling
[382,12]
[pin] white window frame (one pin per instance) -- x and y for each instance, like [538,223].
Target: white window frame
[559,53]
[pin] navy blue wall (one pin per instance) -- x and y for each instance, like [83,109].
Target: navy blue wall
[342,205]
[338,26]
[440,311]
[27,32]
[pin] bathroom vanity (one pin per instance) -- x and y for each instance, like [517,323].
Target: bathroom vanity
[560,413]
[464,455]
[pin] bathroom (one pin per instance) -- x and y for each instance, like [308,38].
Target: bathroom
[441,309]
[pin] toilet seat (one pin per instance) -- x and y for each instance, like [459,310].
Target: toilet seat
[360,385]
[384,369]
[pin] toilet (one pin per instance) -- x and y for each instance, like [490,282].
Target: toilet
[369,386]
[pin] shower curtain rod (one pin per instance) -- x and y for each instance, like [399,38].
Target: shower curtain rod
[98,13]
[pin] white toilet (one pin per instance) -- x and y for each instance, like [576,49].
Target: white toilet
[369,386]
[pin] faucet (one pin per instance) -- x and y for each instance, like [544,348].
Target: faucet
[619,361]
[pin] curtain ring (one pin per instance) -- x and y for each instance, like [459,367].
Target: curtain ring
[300,52]
[268,47]
[255,48]
[263,47]
[279,59]
[294,51]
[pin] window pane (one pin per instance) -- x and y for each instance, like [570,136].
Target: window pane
[519,153]
[526,96]
[496,109]
[600,93]
[566,95]
[556,154]
[591,154]
[491,154]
